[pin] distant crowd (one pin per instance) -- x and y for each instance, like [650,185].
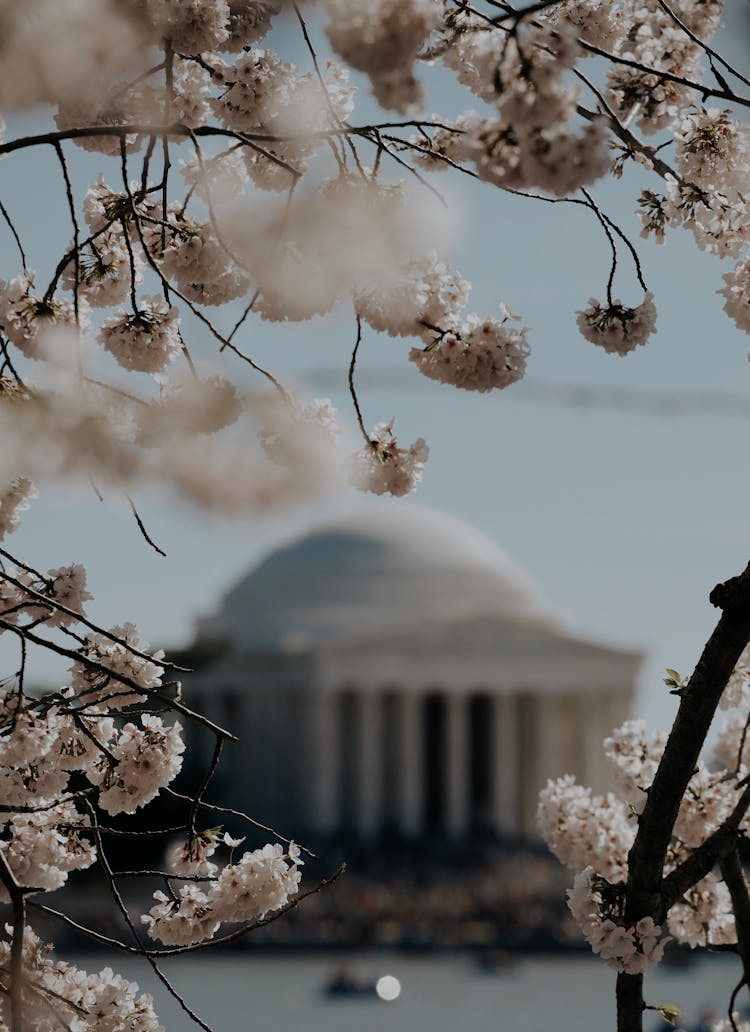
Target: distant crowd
[408,898]
[497,899]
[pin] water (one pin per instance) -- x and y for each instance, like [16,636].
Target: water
[241,992]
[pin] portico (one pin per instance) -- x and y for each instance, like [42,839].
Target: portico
[400,677]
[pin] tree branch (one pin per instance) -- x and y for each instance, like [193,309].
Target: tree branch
[698,704]
[734,877]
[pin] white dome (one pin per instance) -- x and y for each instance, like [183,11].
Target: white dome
[385,571]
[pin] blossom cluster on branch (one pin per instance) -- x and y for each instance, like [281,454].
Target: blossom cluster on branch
[593,835]
[96,747]
[247,122]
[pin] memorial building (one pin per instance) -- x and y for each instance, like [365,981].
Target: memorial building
[393,673]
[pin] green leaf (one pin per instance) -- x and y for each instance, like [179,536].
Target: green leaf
[669,1011]
[211,834]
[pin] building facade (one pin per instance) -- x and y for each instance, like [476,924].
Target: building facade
[393,673]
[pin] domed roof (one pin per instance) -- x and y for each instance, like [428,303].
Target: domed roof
[383,571]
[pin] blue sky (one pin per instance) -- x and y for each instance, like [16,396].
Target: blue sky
[624,518]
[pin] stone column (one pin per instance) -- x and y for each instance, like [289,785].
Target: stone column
[610,717]
[370,763]
[505,762]
[410,765]
[591,746]
[551,731]
[529,725]
[457,764]
[325,754]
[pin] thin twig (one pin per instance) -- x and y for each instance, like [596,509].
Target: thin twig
[16,237]
[142,528]
[352,389]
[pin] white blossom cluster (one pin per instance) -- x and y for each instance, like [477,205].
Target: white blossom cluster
[293,431]
[89,734]
[259,92]
[484,354]
[56,599]
[423,296]
[75,732]
[617,328]
[737,689]
[737,295]
[120,654]
[631,949]
[147,340]
[382,38]
[535,133]
[488,144]
[27,319]
[704,916]
[646,34]
[634,757]
[205,405]
[706,193]
[14,500]
[735,1025]
[260,882]
[44,847]
[708,802]
[732,746]
[138,764]
[42,746]
[70,743]
[58,994]
[191,859]
[554,159]
[597,23]
[381,467]
[194,259]
[584,829]
[196,26]
[543,127]
[533,141]
[593,834]
[104,270]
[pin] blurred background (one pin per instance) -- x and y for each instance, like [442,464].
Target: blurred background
[410,672]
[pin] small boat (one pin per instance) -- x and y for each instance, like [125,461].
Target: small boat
[344,983]
[496,962]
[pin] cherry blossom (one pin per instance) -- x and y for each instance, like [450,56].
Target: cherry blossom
[103,1002]
[138,764]
[28,319]
[628,949]
[737,295]
[13,501]
[124,653]
[259,882]
[383,468]
[617,328]
[382,38]
[182,921]
[295,431]
[420,297]
[146,341]
[483,354]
